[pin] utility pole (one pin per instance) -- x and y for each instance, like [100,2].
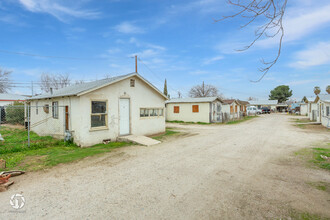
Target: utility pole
[136,63]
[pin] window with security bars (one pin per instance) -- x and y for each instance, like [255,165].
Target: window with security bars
[99,115]
[55,109]
[151,112]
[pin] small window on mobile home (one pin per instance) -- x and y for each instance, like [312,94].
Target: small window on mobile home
[55,109]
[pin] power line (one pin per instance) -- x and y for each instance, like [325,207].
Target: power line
[156,75]
[46,56]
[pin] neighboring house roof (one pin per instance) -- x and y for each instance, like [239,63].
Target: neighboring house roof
[263,102]
[311,98]
[242,102]
[193,100]
[11,97]
[323,97]
[80,89]
[228,101]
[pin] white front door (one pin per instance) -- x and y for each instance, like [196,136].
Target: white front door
[124,117]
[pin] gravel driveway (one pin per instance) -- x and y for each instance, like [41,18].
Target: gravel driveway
[242,171]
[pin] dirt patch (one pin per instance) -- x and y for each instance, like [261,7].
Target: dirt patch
[33,162]
[17,126]
[313,128]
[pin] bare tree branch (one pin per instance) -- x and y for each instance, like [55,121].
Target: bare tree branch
[273,12]
[4,80]
[57,81]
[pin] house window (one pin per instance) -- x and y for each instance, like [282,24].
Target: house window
[195,108]
[176,109]
[151,112]
[231,109]
[55,109]
[328,111]
[37,108]
[99,116]
[132,82]
[235,108]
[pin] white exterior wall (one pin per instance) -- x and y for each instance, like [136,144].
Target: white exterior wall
[325,120]
[304,109]
[233,115]
[313,107]
[185,113]
[140,96]
[43,123]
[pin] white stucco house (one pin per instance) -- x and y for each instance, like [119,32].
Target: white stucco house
[205,109]
[304,108]
[7,99]
[232,108]
[100,110]
[323,109]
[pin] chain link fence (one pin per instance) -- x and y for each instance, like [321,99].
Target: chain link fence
[22,125]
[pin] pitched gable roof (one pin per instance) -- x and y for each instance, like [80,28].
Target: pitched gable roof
[80,89]
[193,100]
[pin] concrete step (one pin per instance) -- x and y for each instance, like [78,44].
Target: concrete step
[142,140]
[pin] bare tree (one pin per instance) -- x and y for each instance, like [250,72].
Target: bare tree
[57,81]
[272,11]
[252,98]
[203,91]
[79,81]
[4,80]
[179,94]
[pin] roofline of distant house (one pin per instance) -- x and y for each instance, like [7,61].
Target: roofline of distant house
[206,101]
[12,100]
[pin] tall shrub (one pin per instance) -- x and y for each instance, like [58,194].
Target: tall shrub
[15,113]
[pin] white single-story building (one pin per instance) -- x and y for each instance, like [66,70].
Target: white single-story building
[7,99]
[271,104]
[323,108]
[233,108]
[205,109]
[311,108]
[304,108]
[100,110]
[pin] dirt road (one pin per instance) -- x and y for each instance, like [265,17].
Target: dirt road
[242,171]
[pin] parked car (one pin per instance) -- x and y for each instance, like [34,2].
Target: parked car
[265,110]
[252,110]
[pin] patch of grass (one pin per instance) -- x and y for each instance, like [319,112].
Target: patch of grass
[189,122]
[323,186]
[45,151]
[168,132]
[246,118]
[305,216]
[317,156]
[321,157]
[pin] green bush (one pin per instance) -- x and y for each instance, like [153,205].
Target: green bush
[15,113]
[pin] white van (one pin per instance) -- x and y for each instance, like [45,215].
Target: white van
[253,110]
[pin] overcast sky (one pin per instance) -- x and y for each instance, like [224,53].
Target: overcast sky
[176,40]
